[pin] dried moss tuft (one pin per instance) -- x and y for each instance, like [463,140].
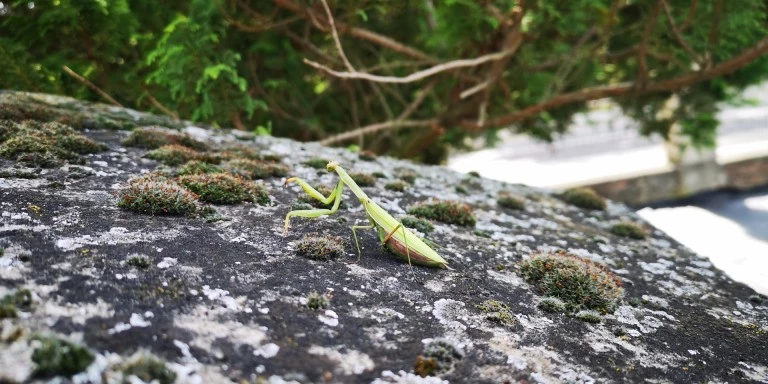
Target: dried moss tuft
[155,194]
[156,137]
[316,301]
[225,188]
[255,169]
[589,316]
[451,212]
[320,247]
[44,145]
[173,154]
[507,200]
[196,167]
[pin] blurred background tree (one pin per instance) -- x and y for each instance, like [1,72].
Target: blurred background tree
[407,78]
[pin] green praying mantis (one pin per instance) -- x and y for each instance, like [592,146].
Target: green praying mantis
[393,235]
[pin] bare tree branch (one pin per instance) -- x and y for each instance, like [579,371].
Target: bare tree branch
[416,76]
[378,127]
[642,50]
[668,85]
[336,37]
[92,86]
[678,35]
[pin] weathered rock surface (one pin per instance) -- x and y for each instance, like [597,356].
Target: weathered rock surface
[226,300]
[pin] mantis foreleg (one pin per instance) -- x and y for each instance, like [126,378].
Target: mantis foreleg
[312,213]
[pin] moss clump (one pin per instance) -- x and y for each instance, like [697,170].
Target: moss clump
[255,169]
[316,301]
[366,155]
[149,369]
[589,316]
[44,145]
[316,163]
[139,261]
[407,175]
[579,282]
[379,175]
[59,357]
[397,185]
[320,247]
[473,174]
[439,356]
[481,233]
[363,179]
[628,229]
[156,137]
[421,225]
[461,190]
[451,212]
[10,304]
[224,188]
[553,304]
[196,167]
[498,312]
[507,200]
[584,198]
[173,154]
[156,195]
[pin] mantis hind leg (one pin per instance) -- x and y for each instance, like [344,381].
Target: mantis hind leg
[313,213]
[357,243]
[405,241]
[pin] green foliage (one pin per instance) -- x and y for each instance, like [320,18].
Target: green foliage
[56,356]
[320,247]
[451,212]
[584,198]
[225,188]
[234,63]
[44,144]
[580,283]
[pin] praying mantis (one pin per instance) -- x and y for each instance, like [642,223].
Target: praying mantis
[393,235]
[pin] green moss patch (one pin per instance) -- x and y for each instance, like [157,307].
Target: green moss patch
[156,195]
[173,154]
[196,167]
[12,303]
[507,200]
[316,163]
[584,198]
[589,316]
[421,225]
[397,186]
[497,312]
[149,369]
[580,283]
[225,188]
[407,175]
[156,137]
[255,169]
[320,247]
[553,304]
[139,261]
[59,357]
[629,229]
[316,301]
[451,212]
[363,179]
[44,145]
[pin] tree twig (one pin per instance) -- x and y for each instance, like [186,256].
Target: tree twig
[642,50]
[336,37]
[378,127]
[677,34]
[160,106]
[416,76]
[92,86]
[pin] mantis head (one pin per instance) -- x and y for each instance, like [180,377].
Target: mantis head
[332,166]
